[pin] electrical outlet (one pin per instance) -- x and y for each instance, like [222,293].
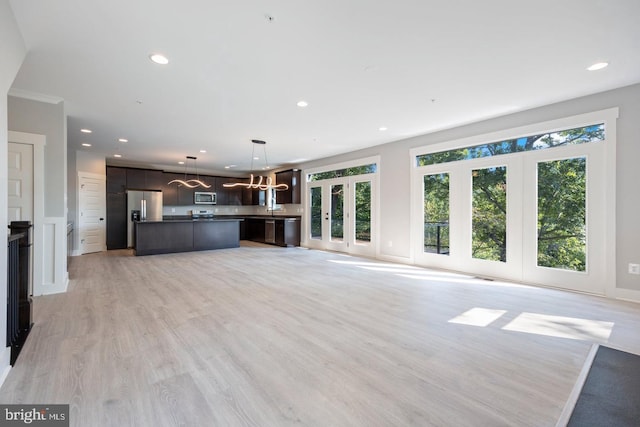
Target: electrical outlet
[173,210]
[634,268]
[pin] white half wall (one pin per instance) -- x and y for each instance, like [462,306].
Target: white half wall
[55,278]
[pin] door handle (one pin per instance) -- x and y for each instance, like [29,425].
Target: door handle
[101,219]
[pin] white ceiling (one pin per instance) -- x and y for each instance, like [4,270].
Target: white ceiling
[413,66]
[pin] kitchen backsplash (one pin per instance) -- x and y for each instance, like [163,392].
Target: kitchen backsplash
[234,210]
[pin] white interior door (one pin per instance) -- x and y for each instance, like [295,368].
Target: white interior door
[20,182]
[92,204]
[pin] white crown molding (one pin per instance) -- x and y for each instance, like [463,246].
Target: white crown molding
[34,96]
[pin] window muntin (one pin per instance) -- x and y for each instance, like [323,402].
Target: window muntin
[581,135]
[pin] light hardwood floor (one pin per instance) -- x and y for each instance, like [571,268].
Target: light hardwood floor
[265,336]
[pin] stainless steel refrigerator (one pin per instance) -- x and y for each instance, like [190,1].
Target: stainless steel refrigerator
[142,206]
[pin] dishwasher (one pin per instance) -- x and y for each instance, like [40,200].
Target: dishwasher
[270,231]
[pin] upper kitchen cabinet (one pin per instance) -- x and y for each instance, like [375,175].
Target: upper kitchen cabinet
[229,196]
[144,179]
[292,194]
[155,179]
[170,191]
[177,194]
[116,179]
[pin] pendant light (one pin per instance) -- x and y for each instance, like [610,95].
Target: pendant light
[191,183]
[260,185]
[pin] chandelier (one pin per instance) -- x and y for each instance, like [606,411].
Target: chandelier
[262,183]
[191,183]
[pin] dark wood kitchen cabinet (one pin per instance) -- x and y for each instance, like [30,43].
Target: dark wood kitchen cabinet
[281,231]
[170,191]
[154,180]
[144,179]
[254,229]
[117,220]
[231,196]
[292,194]
[116,179]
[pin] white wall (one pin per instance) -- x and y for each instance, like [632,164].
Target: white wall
[44,118]
[80,161]
[395,170]
[12,52]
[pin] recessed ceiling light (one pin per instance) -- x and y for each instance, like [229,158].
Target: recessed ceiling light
[86,144]
[159,59]
[382,129]
[86,130]
[302,103]
[123,140]
[181,163]
[117,155]
[203,151]
[256,158]
[598,66]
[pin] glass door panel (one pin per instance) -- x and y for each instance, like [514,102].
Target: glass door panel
[489,214]
[315,212]
[436,213]
[562,220]
[337,212]
[362,215]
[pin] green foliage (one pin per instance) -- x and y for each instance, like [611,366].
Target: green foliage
[339,173]
[363,211]
[337,211]
[561,200]
[436,213]
[562,214]
[316,212]
[592,133]
[489,216]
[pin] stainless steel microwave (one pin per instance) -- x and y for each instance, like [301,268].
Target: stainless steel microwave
[204,198]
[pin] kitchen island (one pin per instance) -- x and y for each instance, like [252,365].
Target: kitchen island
[185,235]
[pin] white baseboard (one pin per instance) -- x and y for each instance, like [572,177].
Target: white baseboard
[5,364]
[396,259]
[627,295]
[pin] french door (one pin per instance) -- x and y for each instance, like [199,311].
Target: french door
[341,214]
[537,217]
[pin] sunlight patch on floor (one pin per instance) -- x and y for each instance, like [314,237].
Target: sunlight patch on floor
[478,317]
[561,327]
